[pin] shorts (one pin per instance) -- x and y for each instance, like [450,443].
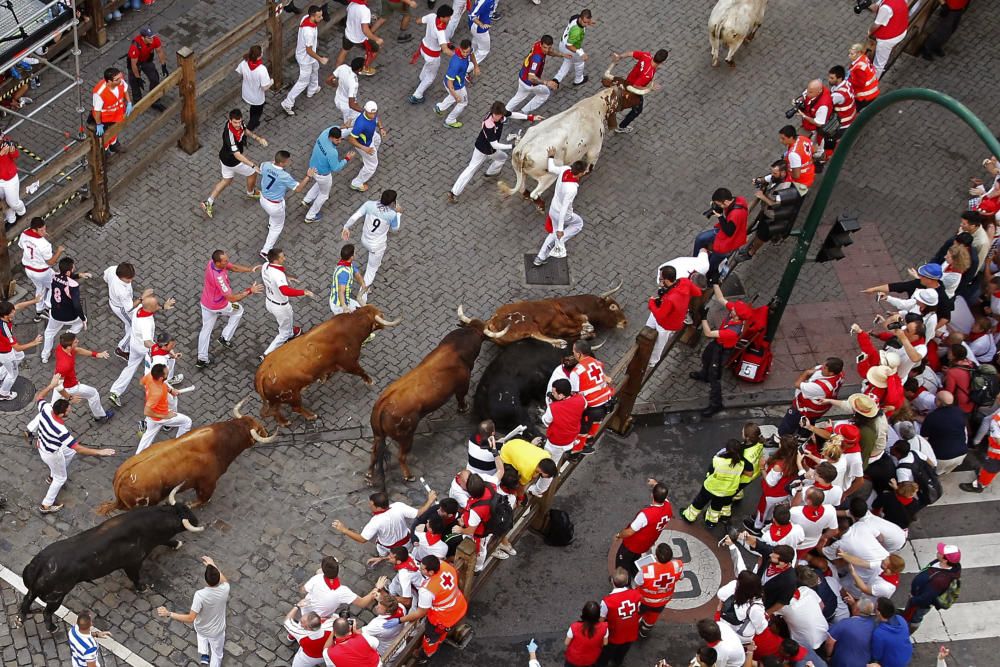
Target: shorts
[347,45]
[240,169]
[390,7]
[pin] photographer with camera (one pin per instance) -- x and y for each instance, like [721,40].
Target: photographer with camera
[815,107]
[729,232]
[348,647]
[669,308]
[844,104]
[781,202]
[799,158]
[892,19]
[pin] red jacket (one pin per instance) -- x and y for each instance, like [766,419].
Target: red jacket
[567,416]
[957,380]
[673,306]
[732,228]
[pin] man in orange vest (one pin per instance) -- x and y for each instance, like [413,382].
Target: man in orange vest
[595,387]
[842,95]
[862,77]
[892,19]
[798,156]
[640,535]
[111,103]
[812,386]
[656,581]
[440,600]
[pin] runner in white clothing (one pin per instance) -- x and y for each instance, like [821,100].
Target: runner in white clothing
[562,223]
[380,217]
[434,43]
[278,294]
[38,260]
[121,300]
[143,338]
[307,58]
[345,79]
[457,9]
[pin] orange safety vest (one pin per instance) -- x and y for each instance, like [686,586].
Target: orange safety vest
[803,147]
[658,581]
[449,605]
[847,111]
[114,104]
[863,79]
[812,407]
[590,372]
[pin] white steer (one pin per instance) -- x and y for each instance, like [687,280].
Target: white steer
[731,23]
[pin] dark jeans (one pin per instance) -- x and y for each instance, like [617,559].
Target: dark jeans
[256,111]
[135,85]
[706,239]
[707,499]
[790,424]
[632,114]
[626,559]
[711,371]
[613,655]
[947,24]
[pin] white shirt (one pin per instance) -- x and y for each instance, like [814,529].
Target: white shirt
[83,648]
[561,208]
[254,82]
[347,85]
[383,636]
[307,38]
[357,16]
[37,251]
[884,14]
[391,526]
[905,364]
[831,496]
[559,373]
[434,39]
[685,266]
[274,279]
[143,329]
[792,538]
[849,468]
[804,615]
[407,582]
[120,293]
[210,604]
[424,548]
[298,633]
[892,537]
[458,493]
[324,600]
[379,220]
[813,530]
[822,113]
[983,348]
[861,540]
[754,610]
[729,651]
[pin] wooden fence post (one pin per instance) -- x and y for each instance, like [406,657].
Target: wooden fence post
[540,521]
[275,46]
[189,101]
[6,283]
[621,419]
[101,211]
[97,35]
[465,564]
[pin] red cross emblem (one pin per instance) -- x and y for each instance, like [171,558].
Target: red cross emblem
[447,581]
[662,523]
[664,581]
[595,372]
[626,609]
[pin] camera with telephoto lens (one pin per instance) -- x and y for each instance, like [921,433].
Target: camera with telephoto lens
[894,326]
[760,183]
[798,104]
[862,5]
[714,209]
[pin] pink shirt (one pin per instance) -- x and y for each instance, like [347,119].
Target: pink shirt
[213,295]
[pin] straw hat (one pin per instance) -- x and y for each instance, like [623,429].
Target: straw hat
[878,376]
[863,404]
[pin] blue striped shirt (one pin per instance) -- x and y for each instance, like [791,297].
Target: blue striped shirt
[83,648]
[52,433]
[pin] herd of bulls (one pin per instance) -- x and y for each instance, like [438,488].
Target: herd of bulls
[534,334]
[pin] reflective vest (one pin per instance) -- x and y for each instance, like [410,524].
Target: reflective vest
[657,518]
[813,105]
[623,615]
[994,441]
[803,147]
[847,111]
[899,22]
[724,479]
[658,581]
[752,454]
[114,105]
[334,296]
[863,79]
[352,650]
[592,385]
[448,606]
[813,408]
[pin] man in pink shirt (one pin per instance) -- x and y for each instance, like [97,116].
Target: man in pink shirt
[219,300]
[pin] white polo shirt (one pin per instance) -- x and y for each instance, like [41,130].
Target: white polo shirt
[804,615]
[357,15]
[813,522]
[324,599]
[389,528]
[347,85]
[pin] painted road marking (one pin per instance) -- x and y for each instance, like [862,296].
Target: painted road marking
[981,550]
[952,495]
[965,620]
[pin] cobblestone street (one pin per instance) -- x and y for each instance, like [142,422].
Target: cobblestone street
[269,520]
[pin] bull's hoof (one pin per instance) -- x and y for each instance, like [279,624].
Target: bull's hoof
[370,382]
[18,621]
[715,63]
[309,416]
[526,194]
[561,344]
[731,63]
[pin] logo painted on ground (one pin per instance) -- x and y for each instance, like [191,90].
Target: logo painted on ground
[702,570]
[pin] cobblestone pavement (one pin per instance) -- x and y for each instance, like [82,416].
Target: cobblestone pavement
[708,128]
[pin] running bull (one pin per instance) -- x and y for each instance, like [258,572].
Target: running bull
[555,320]
[317,354]
[443,373]
[120,543]
[196,460]
[514,380]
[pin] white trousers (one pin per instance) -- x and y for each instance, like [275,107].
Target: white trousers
[497,158]
[126,318]
[12,197]
[484,545]
[557,451]
[169,362]
[571,228]
[449,100]
[308,81]
[575,62]
[770,502]
[455,19]
[10,362]
[283,314]
[352,305]
[153,426]
[53,327]
[208,320]
[212,646]
[480,47]
[318,193]
[375,255]
[87,393]
[883,49]
[662,338]
[58,462]
[349,114]
[369,163]
[135,359]
[42,280]
[427,74]
[302,660]
[275,222]
[538,95]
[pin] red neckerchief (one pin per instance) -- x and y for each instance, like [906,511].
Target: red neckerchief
[344,262]
[432,538]
[407,564]
[398,613]
[797,594]
[822,487]
[440,24]
[307,22]
[254,64]
[773,569]
[142,312]
[973,335]
[851,447]
[569,177]
[813,513]
[33,233]
[891,578]
[379,510]
[332,584]
[903,500]
[276,266]
[778,532]
[156,350]
[237,133]
[58,418]
[360,2]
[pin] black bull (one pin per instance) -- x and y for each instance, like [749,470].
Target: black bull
[514,380]
[120,543]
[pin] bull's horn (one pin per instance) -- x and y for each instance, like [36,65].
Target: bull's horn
[496,334]
[607,72]
[172,498]
[599,345]
[236,409]
[387,323]
[462,317]
[259,438]
[189,527]
[621,281]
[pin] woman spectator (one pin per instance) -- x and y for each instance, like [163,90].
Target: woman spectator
[586,638]
[256,81]
[741,601]
[780,470]
[898,503]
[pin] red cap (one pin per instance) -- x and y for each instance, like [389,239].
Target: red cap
[849,432]
[740,309]
[728,338]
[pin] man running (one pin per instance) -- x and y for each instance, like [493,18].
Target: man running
[308,60]
[275,184]
[279,294]
[342,292]
[325,160]
[121,300]
[160,407]
[12,352]
[562,223]
[143,338]
[366,136]
[37,258]
[218,300]
[455,84]
[233,160]
[434,43]
[380,217]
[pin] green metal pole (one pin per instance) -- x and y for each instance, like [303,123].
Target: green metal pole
[832,172]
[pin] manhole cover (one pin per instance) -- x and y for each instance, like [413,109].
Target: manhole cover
[25,392]
[554,272]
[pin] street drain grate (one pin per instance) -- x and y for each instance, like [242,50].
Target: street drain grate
[25,392]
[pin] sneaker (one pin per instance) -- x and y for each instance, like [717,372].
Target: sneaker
[537,261]
[508,548]
[166,429]
[368,71]
[202,363]
[452,199]
[228,344]
[260,358]
[176,380]
[8,397]
[500,554]
[52,509]
[252,195]
[115,398]
[40,316]
[360,188]
[205,659]
[438,110]
[208,208]
[287,110]
[750,527]
[971,487]
[106,418]
[457,124]
[310,221]
[45,360]
[587,449]
[404,37]
[623,130]
[263,255]
[584,80]
[121,353]
[413,99]
[116,148]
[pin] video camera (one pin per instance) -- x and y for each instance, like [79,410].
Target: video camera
[862,5]
[760,183]
[799,103]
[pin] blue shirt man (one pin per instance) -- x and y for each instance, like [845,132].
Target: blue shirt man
[457,68]
[853,638]
[275,182]
[365,128]
[325,158]
[482,11]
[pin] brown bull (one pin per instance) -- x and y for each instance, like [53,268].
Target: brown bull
[440,375]
[196,460]
[555,320]
[317,354]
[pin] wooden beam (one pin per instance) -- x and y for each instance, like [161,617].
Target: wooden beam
[100,212]
[97,35]
[275,48]
[153,96]
[635,373]
[189,96]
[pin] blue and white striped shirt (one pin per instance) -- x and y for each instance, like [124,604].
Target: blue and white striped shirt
[52,433]
[82,647]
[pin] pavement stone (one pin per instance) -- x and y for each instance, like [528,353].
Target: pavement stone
[708,128]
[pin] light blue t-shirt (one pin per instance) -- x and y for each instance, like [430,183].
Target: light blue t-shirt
[325,158]
[275,182]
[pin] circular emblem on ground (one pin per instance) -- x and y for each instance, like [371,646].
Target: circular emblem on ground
[25,392]
[702,570]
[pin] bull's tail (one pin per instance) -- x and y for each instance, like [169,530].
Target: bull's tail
[516,161]
[107,508]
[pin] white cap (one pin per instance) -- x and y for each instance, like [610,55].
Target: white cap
[370,106]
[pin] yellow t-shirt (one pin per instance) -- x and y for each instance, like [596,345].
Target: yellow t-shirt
[524,456]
